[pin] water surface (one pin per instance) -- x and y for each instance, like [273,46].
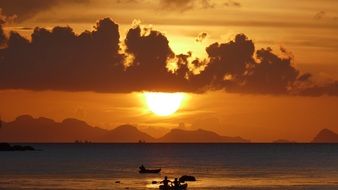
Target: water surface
[216,166]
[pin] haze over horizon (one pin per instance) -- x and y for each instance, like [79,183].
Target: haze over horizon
[273,76]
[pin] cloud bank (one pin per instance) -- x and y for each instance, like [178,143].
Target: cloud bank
[100,61]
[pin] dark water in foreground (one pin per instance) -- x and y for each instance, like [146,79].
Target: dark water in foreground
[216,166]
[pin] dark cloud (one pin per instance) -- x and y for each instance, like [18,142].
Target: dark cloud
[95,61]
[25,9]
[180,5]
[61,60]
[232,3]
[305,77]
[2,37]
[319,15]
[271,74]
[177,4]
[228,63]
[148,71]
[232,66]
[6,19]
[330,89]
[201,36]
[207,4]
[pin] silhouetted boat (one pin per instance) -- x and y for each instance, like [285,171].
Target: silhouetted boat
[144,170]
[150,171]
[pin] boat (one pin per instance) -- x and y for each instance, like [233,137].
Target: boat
[144,170]
[149,171]
[181,187]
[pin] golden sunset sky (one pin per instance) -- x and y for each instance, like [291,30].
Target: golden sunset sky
[307,29]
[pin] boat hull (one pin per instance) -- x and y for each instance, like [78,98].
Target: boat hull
[182,187]
[150,171]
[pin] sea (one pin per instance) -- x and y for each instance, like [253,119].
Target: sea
[215,166]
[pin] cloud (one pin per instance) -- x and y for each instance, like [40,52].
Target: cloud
[271,74]
[27,9]
[182,6]
[232,3]
[6,19]
[207,4]
[151,52]
[177,4]
[201,37]
[330,89]
[96,61]
[319,15]
[61,60]
[2,37]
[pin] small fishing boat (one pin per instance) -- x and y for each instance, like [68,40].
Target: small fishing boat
[144,170]
[149,171]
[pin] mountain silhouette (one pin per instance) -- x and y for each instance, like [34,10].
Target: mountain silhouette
[125,133]
[326,136]
[195,136]
[26,129]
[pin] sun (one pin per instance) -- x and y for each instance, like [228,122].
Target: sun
[163,104]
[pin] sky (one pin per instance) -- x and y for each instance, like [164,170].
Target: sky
[259,69]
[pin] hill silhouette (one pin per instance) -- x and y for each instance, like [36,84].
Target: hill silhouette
[195,136]
[326,136]
[125,133]
[25,128]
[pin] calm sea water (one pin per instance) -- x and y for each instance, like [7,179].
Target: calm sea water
[216,166]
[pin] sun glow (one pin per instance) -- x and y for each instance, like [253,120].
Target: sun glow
[163,104]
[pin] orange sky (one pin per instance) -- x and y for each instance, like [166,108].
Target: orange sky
[256,117]
[307,28]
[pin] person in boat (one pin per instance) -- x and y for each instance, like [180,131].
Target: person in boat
[177,184]
[166,182]
[142,168]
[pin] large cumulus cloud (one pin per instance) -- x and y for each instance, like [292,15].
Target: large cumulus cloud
[61,60]
[148,71]
[101,61]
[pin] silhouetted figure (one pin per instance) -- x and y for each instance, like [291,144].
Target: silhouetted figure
[142,168]
[165,182]
[177,184]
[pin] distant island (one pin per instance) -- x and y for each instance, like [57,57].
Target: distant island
[25,128]
[326,136]
[8,147]
[203,136]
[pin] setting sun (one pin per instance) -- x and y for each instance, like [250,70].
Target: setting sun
[163,104]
